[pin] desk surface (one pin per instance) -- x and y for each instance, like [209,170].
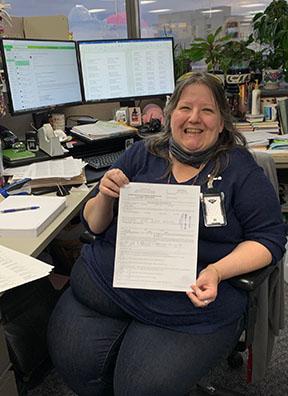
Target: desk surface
[280,157]
[34,246]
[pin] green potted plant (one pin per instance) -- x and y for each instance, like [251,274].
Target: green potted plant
[270,30]
[220,53]
[209,49]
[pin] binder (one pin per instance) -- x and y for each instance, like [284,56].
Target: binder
[283,115]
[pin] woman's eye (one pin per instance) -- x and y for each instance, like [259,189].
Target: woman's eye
[208,110]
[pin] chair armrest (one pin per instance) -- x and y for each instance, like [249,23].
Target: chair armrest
[252,280]
[87,237]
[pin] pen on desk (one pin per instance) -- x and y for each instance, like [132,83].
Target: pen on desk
[12,210]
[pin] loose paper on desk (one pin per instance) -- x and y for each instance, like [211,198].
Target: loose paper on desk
[157,237]
[65,168]
[18,268]
[256,138]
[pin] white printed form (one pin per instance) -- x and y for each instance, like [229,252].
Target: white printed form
[157,237]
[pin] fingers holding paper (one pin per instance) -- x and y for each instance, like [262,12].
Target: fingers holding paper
[112,181]
[204,291]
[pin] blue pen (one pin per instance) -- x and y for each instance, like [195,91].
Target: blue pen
[12,210]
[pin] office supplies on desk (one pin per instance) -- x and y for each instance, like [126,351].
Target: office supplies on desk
[12,210]
[13,155]
[17,269]
[29,224]
[49,142]
[17,184]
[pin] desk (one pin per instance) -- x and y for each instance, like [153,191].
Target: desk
[34,246]
[280,157]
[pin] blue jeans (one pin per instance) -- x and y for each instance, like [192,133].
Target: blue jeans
[100,350]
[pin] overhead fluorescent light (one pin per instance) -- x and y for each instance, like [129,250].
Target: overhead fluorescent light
[212,11]
[159,11]
[147,2]
[96,10]
[253,5]
[254,12]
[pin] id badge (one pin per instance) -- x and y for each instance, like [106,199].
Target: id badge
[213,209]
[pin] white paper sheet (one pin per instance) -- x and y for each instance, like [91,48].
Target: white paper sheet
[66,168]
[157,237]
[17,268]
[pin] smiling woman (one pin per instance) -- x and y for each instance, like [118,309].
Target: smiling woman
[105,331]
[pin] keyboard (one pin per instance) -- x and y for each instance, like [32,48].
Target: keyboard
[102,161]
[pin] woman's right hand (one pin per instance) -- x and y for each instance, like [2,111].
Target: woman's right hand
[111,182]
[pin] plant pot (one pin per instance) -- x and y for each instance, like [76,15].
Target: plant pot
[272,78]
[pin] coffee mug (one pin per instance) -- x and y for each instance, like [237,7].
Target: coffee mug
[57,121]
[270,113]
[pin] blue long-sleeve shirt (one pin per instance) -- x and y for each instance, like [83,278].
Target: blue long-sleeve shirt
[253,213]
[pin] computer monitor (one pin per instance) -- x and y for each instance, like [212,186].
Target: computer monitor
[126,69]
[40,74]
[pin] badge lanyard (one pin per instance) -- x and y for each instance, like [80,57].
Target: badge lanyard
[213,207]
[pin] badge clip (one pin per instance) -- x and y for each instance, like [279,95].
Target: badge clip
[211,181]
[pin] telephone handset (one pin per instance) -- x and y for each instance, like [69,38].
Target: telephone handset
[7,137]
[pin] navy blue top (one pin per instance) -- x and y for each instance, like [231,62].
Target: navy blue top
[253,213]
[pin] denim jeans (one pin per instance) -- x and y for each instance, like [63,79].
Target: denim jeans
[100,350]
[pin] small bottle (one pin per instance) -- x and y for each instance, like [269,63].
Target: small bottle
[256,93]
[134,116]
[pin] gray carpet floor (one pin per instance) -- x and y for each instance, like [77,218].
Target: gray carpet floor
[275,382]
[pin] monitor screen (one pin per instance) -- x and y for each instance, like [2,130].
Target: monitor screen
[126,69]
[40,74]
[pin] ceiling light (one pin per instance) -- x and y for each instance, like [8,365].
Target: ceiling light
[147,2]
[211,11]
[252,5]
[95,10]
[159,11]
[254,12]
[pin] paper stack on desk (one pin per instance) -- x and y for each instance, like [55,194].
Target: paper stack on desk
[67,171]
[17,269]
[102,129]
[27,223]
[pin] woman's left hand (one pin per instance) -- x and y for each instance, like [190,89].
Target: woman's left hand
[205,289]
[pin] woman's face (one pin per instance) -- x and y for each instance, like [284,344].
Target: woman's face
[196,121]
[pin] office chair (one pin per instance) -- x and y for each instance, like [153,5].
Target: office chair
[265,312]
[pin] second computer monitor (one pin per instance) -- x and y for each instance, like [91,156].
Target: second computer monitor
[126,69]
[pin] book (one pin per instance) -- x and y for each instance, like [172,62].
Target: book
[283,114]
[12,155]
[28,223]
[17,269]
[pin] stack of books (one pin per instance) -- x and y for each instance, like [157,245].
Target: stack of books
[244,127]
[266,126]
[254,118]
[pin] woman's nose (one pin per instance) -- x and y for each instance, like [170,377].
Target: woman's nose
[194,115]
